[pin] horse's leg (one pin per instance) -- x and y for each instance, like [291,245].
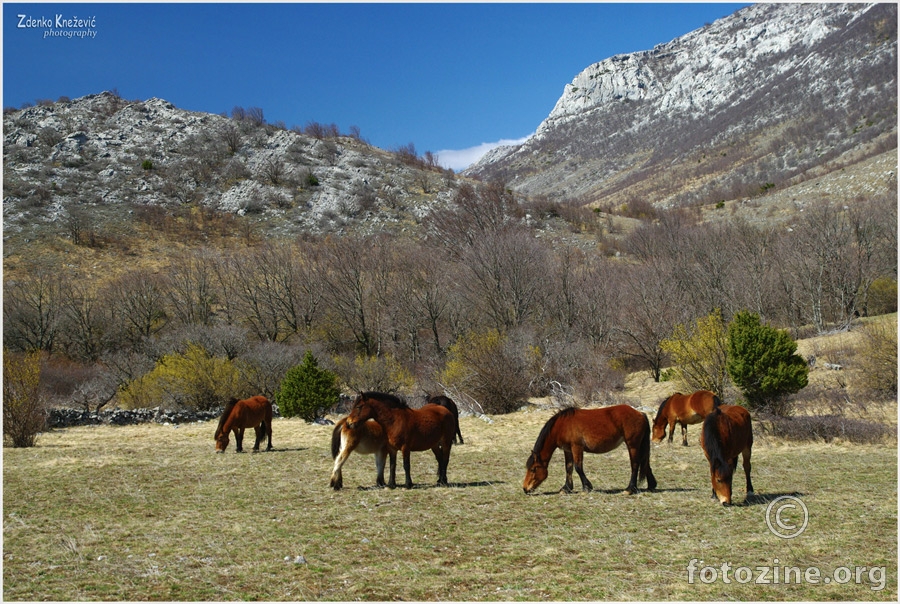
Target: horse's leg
[746,456]
[239,440]
[260,431]
[442,453]
[337,477]
[380,458]
[392,482]
[684,434]
[409,482]
[672,423]
[634,456]
[269,433]
[578,462]
[569,485]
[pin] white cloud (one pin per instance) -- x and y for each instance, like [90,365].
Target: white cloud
[463,158]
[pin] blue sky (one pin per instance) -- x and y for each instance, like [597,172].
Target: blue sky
[440,76]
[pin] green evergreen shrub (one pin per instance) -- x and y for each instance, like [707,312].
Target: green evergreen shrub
[763,363]
[307,390]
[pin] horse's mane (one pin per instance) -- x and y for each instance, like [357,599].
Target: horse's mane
[713,444]
[545,431]
[661,405]
[229,407]
[389,400]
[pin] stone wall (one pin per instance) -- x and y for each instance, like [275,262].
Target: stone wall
[65,418]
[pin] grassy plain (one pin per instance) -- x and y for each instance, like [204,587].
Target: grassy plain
[151,513]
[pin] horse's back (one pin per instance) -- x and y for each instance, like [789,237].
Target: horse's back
[602,430]
[730,427]
[252,411]
[429,425]
[703,402]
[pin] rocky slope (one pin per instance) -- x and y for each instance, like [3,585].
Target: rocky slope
[104,157]
[762,99]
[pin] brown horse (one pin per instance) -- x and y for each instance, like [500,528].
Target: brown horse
[254,412]
[683,409]
[446,401]
[595,431]
[366,437]
[407,430]
[727,433]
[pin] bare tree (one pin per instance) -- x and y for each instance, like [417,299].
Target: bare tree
[138,301]
[651,308]
[506,276]
[32,309]
[231,137]
[348,289]
[190,288]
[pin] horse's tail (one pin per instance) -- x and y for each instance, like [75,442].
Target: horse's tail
[717,402]
[712,442]
[644,453]
[336,438]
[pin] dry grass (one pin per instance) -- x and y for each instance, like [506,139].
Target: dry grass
[150,512]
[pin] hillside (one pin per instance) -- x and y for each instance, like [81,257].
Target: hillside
[769,97]
[104,165]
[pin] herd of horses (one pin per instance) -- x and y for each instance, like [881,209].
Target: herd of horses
[382,425]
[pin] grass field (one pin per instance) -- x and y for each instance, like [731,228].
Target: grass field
[151,513]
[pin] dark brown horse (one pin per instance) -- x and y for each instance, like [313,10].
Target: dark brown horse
[446,401]
[683,409]
[367,438]
[407,430]
[577,431]
[727,433]
[254,412]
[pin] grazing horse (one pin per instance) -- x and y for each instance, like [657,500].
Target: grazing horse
[446,401]
[254,412]
[366,437]
[683,409]
[595,431]
[407,430]
[727,432]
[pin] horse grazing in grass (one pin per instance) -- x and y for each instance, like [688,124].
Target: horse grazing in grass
[446,401]
[367,437]
[727,433]
[683,409]
[407,430]
[254,412]
[577,431]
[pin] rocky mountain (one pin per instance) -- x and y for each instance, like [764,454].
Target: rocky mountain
[768,97]
[96,162]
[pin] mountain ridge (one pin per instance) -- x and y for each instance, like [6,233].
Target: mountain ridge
[764,67]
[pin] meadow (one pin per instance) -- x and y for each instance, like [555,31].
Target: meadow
[150,512]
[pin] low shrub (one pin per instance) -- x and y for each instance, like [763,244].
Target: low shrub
[24,410]
[825,428]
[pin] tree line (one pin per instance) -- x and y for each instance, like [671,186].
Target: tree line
[482,304]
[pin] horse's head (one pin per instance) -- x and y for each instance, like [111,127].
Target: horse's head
[535,473]
[221,442]
[722,475]
[659,432]
[361,411]
[660,422]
